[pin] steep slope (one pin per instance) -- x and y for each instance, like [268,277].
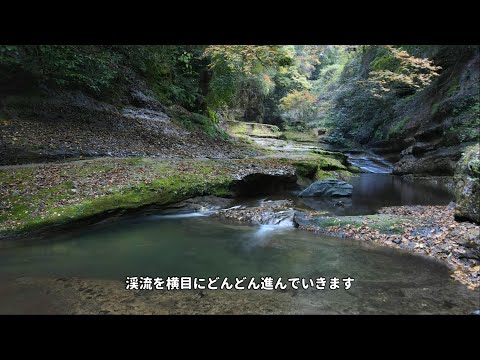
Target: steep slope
[54,125]
[431,129]
[423,132]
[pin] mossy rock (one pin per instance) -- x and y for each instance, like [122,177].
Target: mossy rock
[354,169]
[241,128]
[467,185]
[299,136]
[306,169]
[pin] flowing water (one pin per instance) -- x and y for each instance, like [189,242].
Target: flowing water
[385,280]
[197,245]
[369,162]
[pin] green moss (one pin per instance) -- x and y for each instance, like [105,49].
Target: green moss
[238,127]
[299,136]
[306,169]
[243,129]
[454,87]
[467,191]
[43,195]
[322,174]
[343,175]
[169,186]
[265,130]
[469,164]
[398,127]
[193,121]
[135,161]
[329,163]
[354,169]
[386,62]
[434,108]
[322,166]
[332,154]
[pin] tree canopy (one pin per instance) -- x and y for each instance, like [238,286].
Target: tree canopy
[265,83]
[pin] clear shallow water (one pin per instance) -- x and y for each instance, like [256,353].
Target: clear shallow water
[386,280]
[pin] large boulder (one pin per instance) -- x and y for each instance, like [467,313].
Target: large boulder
[327,187]
[467,185]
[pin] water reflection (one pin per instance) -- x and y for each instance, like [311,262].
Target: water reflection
[373,191]
[386,280]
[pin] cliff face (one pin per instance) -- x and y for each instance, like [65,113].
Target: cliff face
[430,130]
[467,186]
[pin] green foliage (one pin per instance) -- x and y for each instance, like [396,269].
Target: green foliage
[399,69]
[197,122]
[386,62]
[349,90]
[248,59]
[10,55]
[303,135]
[171,71]
[91,67]
[328,76]
[222,86]
[253,79]
[380,133]
[299,106]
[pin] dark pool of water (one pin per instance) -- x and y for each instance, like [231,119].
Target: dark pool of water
[373,191]
[386,280]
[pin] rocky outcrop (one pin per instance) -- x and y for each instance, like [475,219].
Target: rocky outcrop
[427,133]
[467,186]
[428,160]
[327,187]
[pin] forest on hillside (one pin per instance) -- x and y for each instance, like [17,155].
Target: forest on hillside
[301,86]
[339,164]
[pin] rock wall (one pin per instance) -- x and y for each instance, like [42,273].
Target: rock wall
[467,190]
[435,126]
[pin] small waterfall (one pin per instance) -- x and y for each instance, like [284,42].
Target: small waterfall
[370,162]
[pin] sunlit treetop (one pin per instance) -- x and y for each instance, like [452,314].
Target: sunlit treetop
[249,59]
[398,67]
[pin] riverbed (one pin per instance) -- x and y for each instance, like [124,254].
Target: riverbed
[85,271]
